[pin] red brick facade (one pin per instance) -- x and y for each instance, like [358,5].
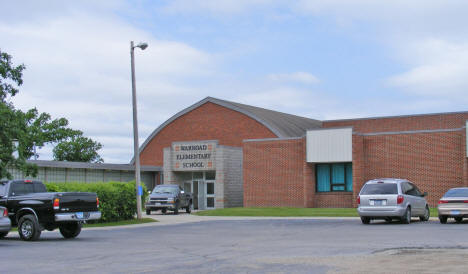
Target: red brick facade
[207,122]
[275,172]
[429,150]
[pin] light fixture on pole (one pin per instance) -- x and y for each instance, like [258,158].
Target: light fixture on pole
[139,190]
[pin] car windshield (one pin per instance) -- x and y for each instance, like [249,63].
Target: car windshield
[165,189]
[380,188]
[460,192]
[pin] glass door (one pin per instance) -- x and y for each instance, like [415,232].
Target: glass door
[201,195]
[210,194]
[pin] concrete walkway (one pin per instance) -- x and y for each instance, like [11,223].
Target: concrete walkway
[183,218]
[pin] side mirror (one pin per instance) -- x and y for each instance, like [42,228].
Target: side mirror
[424,194]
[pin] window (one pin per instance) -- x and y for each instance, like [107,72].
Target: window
[379,188]
[21,189]
[334,177]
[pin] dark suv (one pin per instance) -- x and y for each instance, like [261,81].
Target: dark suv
[169,197]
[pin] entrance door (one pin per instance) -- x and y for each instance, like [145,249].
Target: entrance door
[201,195]
[192,187]
[210,194]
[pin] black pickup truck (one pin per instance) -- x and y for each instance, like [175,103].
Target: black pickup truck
[169,197]
[33,209]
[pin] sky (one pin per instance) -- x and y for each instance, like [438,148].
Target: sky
[318,59]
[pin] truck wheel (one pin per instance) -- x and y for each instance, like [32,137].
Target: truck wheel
[148,212]
[28,228]
[163,211]
[458,219]
[176,209]
[3,234]
[189,208]
[70,230]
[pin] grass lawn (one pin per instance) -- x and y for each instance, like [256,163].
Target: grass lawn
[286,212]
[126,222]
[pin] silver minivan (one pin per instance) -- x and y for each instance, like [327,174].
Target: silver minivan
[390,199]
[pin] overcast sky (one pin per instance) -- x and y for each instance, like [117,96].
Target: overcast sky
[319,59]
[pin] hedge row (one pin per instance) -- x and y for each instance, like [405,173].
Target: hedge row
[117,200]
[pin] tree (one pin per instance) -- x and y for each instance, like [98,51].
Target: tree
[21,131]
[78,149]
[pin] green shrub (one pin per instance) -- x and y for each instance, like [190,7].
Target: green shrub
[117,200]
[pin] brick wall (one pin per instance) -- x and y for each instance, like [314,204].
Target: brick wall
[433,161]
[207,122]
[333,200]
[274,173]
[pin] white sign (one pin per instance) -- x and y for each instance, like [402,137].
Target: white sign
[193,156]
[329,145]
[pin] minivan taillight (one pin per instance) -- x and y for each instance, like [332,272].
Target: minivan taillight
[5,213]
[97,202]
[56,203]
[358,200]
[400,199]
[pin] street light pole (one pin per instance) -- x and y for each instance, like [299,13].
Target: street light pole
[142,46]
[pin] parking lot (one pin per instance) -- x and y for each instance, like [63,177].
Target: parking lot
[327,245]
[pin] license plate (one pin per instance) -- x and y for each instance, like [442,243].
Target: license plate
[455,212]
[378,202]
[79,215]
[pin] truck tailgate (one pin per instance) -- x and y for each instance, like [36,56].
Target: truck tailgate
[77,201]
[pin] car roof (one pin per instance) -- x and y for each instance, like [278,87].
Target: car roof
[168,185]
[386,180]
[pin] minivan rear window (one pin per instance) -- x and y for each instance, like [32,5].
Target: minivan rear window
[379,188]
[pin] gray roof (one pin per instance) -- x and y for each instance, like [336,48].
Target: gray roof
[283,125]
[63,164]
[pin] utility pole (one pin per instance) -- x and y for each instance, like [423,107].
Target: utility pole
[139,191]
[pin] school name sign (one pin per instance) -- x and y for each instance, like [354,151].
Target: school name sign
[193,156]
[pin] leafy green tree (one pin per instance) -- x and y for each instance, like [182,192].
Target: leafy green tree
[78,149]
[21,131]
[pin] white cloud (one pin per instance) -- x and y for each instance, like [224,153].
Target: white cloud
[438,67]
[78,67]
[215,7]
[300,77]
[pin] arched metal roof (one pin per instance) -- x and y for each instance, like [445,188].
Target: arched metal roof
[283,125]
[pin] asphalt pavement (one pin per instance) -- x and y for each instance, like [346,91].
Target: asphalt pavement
[243,245]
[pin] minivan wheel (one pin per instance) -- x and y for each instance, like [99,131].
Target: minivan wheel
[365,220]
[426,215]
[443,219]
[458,219]
[406,218]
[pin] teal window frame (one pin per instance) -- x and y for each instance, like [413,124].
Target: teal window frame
[340,177]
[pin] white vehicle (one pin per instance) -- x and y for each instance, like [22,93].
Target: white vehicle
[390,199]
